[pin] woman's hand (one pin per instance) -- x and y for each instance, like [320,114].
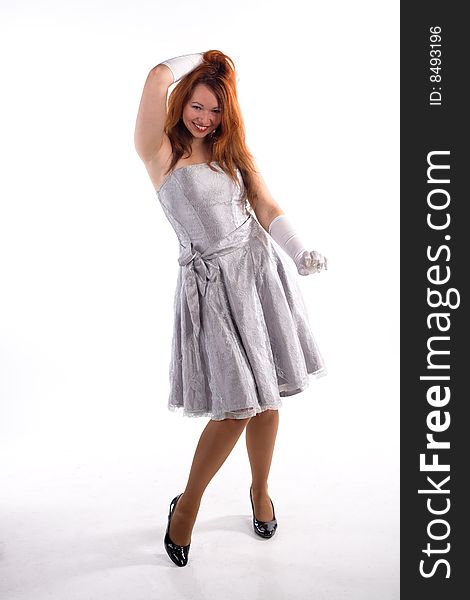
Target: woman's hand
[311,262]
[283,233]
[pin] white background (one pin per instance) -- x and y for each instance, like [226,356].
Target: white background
[91,456]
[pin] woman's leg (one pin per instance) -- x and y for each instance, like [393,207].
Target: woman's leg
[261,434]
[215,444]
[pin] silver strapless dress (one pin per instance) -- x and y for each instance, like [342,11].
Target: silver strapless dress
[242,337]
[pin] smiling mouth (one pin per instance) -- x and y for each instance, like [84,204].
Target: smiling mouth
[199,128]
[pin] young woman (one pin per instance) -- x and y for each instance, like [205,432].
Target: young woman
[242,336]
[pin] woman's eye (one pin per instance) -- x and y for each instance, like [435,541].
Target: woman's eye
[216,111]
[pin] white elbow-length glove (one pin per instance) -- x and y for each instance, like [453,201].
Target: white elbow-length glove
[307,262]
[182,65]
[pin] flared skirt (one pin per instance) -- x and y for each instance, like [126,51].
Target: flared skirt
[242,337]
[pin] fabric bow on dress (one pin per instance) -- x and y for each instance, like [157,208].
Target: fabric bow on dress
[199,271]
[204,269]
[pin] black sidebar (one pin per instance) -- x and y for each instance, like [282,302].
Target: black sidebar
[435,258]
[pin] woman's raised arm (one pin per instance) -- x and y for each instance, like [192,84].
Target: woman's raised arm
[149,127]
[150,123]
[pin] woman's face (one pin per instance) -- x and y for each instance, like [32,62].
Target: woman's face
[202,109]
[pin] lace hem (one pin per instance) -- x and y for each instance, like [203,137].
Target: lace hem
[252,411]
[244,413]
[287,389]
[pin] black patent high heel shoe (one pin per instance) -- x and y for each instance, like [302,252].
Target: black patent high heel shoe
[178,554]
[265,529]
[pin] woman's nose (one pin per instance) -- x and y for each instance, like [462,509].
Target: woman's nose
[206,118]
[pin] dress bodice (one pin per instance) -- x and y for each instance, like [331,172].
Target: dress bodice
[203,205]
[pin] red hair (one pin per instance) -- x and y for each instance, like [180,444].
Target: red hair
[227,144]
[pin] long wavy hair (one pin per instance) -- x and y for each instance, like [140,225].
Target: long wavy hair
[226,144]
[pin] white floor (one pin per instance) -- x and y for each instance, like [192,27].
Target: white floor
[87,522]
